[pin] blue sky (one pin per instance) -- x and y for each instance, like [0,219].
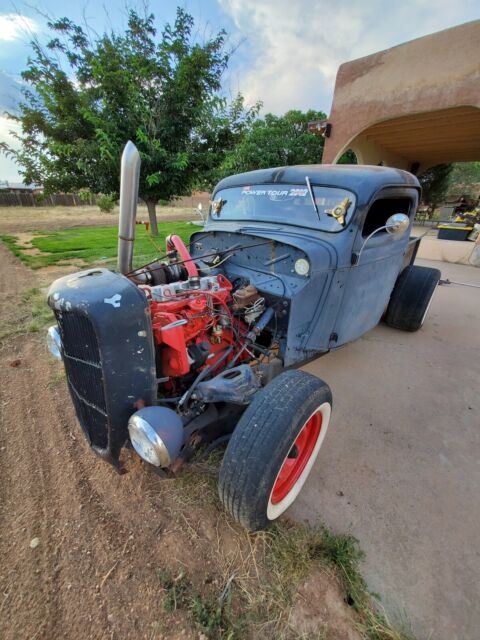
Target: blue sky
[288,51]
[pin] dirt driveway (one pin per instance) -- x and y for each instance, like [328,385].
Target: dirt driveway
[401,462]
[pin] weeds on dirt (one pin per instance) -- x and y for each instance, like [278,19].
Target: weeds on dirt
[212,616]
[13,244]
[261,576]
[34,300]
[29,314]
[295,548]
[58,375]
[176,589]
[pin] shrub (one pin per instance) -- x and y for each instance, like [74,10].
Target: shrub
[106,202]
[85,195]
[40,199]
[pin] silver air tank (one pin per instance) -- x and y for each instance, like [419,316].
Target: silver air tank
[129,179]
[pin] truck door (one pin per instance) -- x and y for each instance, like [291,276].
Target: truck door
[369,282]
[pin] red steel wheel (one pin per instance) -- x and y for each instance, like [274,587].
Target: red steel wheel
[274,447]
[299,461]
[297,458]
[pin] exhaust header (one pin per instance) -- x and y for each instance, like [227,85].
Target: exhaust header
[129,179]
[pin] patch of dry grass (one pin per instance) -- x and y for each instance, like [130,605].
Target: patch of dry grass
[13,219]
[260,573]
[27,314]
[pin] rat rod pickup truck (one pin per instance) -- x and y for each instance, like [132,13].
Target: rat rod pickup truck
[200,347]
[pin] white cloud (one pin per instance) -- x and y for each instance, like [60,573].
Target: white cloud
[14,26]
[296,46]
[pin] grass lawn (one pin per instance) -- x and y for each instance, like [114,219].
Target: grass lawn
[89,245]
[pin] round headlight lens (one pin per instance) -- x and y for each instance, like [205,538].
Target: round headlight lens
[302,267]
[54,342]
[147,443]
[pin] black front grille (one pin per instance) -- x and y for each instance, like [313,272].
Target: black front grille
[84,374]
[79,339]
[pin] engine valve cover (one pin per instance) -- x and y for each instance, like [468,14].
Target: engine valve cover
[165,292]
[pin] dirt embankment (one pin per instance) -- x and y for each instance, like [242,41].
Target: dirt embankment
[99,536]
[80,546]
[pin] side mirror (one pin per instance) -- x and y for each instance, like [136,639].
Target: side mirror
[397,224]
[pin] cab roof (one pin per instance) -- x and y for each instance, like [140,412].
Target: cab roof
[364,180]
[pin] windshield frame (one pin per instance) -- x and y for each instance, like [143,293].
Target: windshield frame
[314,224]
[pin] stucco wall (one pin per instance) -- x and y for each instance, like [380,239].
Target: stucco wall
[439,71]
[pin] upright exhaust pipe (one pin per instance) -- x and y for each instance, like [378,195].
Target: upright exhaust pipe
[129,179]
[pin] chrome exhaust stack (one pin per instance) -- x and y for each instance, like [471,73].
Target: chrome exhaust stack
[129,180]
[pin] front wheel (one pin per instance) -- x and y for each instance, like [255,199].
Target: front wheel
[274,447]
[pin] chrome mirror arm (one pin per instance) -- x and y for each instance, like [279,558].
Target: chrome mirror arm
[396,224]
[357,262]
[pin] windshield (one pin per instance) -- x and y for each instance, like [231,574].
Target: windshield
[286,203]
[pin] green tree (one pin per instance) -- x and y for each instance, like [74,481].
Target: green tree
[434,182]
[223,127]
[275,141]
[465,179]
[85,100]
[348,157]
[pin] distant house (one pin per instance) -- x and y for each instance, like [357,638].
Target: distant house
[19,187]
[17,194]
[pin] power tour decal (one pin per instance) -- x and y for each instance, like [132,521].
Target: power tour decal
[276,194]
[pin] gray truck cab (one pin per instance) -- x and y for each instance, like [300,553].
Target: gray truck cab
[316,239]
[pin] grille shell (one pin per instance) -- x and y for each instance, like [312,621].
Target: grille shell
[83,366]
[108,353]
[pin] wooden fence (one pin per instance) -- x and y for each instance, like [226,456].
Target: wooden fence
[26,199]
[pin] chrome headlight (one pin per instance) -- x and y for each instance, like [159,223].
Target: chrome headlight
[156,434]
[54,342]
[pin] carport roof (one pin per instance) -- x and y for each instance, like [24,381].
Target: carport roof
[447,135]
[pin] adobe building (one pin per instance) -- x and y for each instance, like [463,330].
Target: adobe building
[412,106]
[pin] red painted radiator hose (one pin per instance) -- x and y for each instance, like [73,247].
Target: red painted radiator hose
[175,242]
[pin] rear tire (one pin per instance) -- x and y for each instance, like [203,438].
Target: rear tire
[274,447]
[411,297]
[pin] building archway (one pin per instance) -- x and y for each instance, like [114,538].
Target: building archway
[420,140]
[411,106]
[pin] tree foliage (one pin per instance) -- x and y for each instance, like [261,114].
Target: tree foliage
[85,99]
[465,179]
[348,157]
[275,141]
[222,129]
[435,184]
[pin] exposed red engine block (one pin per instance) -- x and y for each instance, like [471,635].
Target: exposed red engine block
[207,319]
